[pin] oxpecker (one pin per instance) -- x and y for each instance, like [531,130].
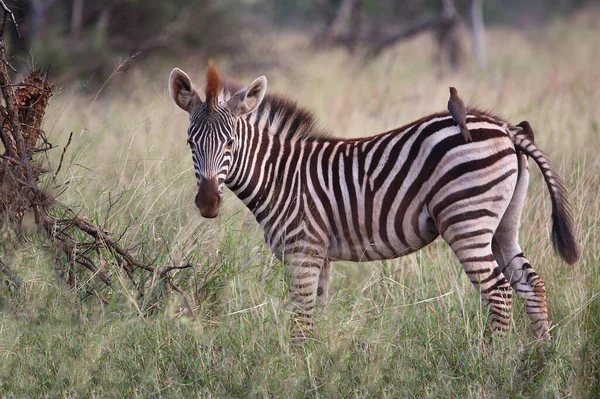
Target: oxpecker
[457,109]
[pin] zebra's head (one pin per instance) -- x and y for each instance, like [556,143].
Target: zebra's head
[212,131]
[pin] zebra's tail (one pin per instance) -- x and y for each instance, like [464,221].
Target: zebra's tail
[563,237]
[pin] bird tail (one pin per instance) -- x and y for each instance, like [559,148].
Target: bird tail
[563,237]
[465,132]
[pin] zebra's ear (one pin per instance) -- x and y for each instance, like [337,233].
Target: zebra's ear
[247,99]
[182,91]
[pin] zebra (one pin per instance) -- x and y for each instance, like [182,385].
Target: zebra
[320,198]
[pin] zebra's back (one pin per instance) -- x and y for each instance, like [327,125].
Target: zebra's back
[405,186]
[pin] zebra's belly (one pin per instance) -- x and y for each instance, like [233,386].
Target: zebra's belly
[375,251]
[384,243]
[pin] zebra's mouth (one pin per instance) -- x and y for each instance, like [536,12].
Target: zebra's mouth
[208,198]
[209,208]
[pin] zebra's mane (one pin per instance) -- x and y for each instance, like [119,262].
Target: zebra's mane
[282,111]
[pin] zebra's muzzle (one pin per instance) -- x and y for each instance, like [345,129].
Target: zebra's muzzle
[208,198]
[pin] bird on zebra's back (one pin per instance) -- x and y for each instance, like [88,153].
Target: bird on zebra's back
[457,109]
[321,198]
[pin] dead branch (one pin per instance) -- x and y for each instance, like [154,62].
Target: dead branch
[10,275]
[74,238]
[344,27]
[186,299]
[378,45]
[25,84]
[7,13]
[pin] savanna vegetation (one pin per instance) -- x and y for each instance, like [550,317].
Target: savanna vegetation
[410,327]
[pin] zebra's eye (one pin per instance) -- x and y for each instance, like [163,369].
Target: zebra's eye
[190,142]
[229,144]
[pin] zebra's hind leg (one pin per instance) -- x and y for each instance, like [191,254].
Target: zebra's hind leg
[505,246]
[472,245]
[527,284]
[304,271]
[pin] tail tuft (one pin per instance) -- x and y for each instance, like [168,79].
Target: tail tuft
[563,237]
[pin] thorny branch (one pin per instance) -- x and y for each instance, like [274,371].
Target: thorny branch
[20,131]
[7,13]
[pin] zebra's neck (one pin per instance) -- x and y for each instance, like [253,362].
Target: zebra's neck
[272,146]
[263,151]
[277,129]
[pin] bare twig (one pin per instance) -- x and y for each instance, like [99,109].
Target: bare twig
[63,155]
[8,12]
[168,269]
[44,149]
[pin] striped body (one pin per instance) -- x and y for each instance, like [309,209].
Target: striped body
[320,199]
[375,198]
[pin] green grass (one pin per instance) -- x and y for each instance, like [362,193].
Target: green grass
[410,327]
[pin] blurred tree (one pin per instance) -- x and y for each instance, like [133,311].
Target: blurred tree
[448,36]
[82,38]
[376,25]
[343,26]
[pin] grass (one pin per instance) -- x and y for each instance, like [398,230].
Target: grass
[410,327]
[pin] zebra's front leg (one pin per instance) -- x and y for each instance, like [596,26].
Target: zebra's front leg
[304,271]
[323,288]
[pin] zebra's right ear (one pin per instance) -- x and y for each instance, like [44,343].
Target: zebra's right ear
[247,99]
[182,91]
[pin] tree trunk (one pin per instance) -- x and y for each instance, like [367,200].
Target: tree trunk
[449,10]
[37,19]
[478,32]
[76,19]
[355,25]
[449,37]
[341,19]
[38,13]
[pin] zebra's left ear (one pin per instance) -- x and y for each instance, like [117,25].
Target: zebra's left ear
[247,99]
[182,92]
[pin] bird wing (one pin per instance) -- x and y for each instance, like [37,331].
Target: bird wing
[458,116]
